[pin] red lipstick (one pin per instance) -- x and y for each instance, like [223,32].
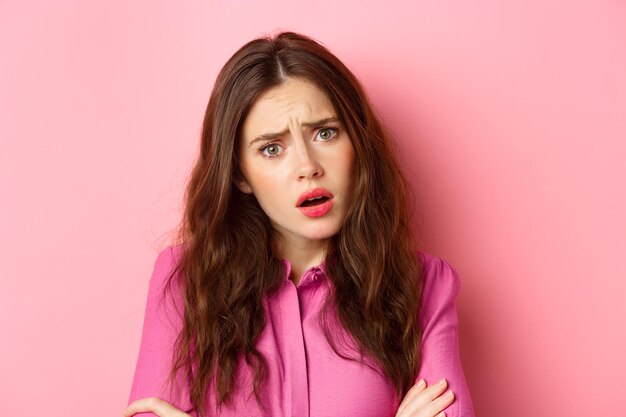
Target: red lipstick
[317,202]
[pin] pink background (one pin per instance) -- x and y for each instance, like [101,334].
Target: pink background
[511,117]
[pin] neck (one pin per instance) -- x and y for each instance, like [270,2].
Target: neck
[302,255]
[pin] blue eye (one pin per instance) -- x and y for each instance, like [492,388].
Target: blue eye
[324,134]
[271,150]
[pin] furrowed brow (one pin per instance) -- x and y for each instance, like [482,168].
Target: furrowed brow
[266,137]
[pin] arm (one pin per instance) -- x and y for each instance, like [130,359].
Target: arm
[162,323]
[440,344]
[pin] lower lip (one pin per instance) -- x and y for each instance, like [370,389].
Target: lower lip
[319,210]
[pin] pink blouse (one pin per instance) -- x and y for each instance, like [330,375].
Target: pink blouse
[305,377]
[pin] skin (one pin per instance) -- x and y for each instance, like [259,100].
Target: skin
[304,157]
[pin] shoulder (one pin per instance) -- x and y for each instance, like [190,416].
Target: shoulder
[165,263]
[438,274]
[162,282]
[441,283]
[169,256]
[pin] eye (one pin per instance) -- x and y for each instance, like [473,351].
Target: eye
[271,150]
[327,133]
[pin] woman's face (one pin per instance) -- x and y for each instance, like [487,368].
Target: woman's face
[293,147]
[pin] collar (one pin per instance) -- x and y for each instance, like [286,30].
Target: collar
[311,275]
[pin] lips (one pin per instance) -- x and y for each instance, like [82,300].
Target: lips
[316,202]
[315,193]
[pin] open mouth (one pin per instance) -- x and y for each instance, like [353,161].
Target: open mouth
[315,201]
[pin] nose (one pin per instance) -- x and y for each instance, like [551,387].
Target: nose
[308,166]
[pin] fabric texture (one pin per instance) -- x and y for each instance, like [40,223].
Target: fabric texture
[306,378]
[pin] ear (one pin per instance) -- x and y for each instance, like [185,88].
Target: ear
[242,184]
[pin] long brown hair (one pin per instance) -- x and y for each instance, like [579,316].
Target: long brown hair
[227,266]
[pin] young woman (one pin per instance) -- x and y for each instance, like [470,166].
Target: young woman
[296,288]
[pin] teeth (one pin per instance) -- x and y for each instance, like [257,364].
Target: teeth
[314,198]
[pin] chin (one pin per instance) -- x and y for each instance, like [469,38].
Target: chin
[323,232]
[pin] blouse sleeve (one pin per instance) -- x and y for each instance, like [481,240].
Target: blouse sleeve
[440,340]
[162,323]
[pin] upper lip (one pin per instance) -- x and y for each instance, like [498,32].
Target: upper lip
[315,192]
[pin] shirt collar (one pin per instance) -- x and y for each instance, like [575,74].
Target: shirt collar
[313,274]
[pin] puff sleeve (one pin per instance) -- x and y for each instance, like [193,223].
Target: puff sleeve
[161,326]
[440,341]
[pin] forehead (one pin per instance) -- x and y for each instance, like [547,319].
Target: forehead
[294,101]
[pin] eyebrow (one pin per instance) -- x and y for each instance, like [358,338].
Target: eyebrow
[272,136]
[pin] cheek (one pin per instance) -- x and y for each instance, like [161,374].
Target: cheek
[346,160]
[266,187]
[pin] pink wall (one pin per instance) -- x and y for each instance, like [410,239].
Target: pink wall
[511,117]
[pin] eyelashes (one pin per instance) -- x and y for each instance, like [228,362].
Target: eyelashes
[274,145]
[325,129]
[262,150]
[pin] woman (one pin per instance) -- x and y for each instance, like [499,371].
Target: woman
[296,288]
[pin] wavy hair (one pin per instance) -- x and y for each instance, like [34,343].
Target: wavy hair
[227,265]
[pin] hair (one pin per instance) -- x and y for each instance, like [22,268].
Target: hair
[227,265]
